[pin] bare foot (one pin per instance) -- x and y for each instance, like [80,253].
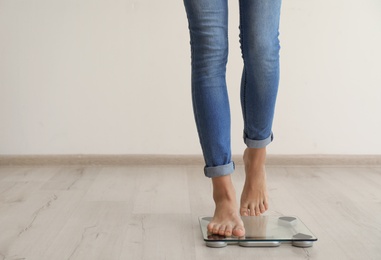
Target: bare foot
[254,198]
[226,220]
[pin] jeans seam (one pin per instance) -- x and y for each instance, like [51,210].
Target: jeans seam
[243,94]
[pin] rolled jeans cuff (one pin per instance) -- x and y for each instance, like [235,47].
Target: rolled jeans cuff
[257,143]
[218,171]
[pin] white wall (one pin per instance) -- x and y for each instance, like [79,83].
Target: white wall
[113,77]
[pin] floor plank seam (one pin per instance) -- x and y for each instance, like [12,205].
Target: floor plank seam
[151,159]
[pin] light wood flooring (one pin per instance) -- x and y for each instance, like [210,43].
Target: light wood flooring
[151,212]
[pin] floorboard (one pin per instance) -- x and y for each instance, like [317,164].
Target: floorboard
[151,212]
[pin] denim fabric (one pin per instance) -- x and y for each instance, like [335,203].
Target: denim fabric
[259,30]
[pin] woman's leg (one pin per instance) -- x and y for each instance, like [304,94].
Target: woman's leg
[208,26]
[208,22]
[259,30]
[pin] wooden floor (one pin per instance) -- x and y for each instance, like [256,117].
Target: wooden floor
[151,212]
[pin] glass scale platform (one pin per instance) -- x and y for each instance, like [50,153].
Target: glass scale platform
[263,231]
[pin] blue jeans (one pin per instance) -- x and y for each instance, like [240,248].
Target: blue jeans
[259,30]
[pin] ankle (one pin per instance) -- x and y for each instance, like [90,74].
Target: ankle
[255,157]
[223,189]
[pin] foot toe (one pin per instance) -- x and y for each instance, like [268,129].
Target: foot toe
[216,228]
[238,231]
[262,208]
[222,230]
[257,210]
[210,227]
[266,205]
[252,210]
[228,230]
[244,211]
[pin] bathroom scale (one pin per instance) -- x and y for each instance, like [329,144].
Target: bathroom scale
[263,231]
